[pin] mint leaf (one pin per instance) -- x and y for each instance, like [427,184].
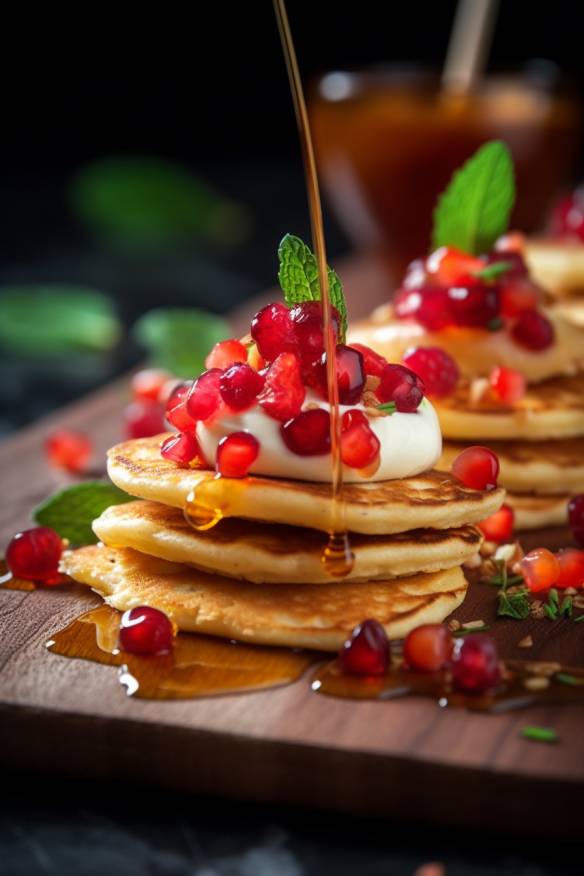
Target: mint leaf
[53,320]
[298,278]
[515,605]
[474,210]
[71,512]
[491,272]
[179,339]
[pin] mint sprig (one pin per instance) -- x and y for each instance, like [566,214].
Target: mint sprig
[298,277]
[71,512]
[475,208]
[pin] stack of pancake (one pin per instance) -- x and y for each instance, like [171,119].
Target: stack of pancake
[539,440]
[257,575]
[558,266]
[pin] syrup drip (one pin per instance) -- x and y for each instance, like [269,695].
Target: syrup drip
[337,557]
[198,665]
[202,508]
[8,581]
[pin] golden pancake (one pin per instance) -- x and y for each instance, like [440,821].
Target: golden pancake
[543,467]
[298,615]
[558,266]
[272,553]
[433,500]
[572,309]
[537,512]
[475,351]
[552,409]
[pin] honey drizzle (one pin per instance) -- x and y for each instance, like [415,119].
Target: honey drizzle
[337,557]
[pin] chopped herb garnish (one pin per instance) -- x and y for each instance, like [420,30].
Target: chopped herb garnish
[579,618]
[539,734]
[515,605]
[566,678]
[567,607]
[553,597]
[482,629]
[387,408]
[491,272]
[551,611]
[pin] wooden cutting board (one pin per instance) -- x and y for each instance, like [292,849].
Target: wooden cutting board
[405,758]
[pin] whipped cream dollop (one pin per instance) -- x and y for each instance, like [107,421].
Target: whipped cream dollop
[409,444]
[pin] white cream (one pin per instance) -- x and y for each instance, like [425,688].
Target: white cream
[410,444]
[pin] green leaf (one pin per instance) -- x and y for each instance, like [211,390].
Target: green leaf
[54,320]
[491,272]
[567,607]
[475,208]
[515,605]
[387,408]
[147,202]
[579,618]
[539,734]
[179,339]
[298,277]
[551,611]
[458,633]
[72,511]
[572,680]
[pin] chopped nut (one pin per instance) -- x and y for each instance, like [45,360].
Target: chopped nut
[537,613]
[373,412]
[370,400]
[472,562]
[454,625]
[570,591]
[536,683]
[546,668]
[488,548]
[371,383]
[473,625]
[505,552]
[487,569]
[525,642]
[578,602]
[515,588]
[478,389]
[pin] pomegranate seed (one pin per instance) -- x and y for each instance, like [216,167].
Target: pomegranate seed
[540,569]
[428,305]
[571,568]
[69,450]
[176,408]
[144,419]
[437,369]
[254,359]
[226,353]
[507,385]
[35,554]
[149,383]
[350,375]
[204,399]
[307,324]
[499,526]
[359,444]
[273,332]
[533,330]
[239,386]
[568,216]
[308,434]
[402,386]
[519,296]
[576,517]
[475,664]
[451,266]
[145,630]
[236,453]
[182,448]
[428,648]
[373,363]
[477,467]
[283,393]
[474,305]
[366,651]
[518,269]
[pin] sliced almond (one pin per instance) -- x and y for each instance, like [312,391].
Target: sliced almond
[525,642]
[538,682]
[473,625]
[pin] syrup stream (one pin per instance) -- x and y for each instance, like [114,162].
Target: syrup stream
[337,557]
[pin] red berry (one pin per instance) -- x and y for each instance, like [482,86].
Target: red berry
[571,568]
[69,450]
[533,330]
[373,363]
[474,305]
[402,386]
[499,526]
[518,296]
[507,385]
[568,216]
[176,408]
[540,569]
[307,323]
[428,305]
[145,630]
[236,453]
[366,652]
[35,554]
[428,648]
[308,434]
[437,369]
[239,386]
[359,444]
[181,448]
[451,267]
[144,419]
[149,383]
[226,353]
[204,399]
[477,467]
[283,393]
[350,375]
[475,664]
[273,332]
[576,517]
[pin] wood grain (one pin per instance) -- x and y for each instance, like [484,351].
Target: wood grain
[405,758]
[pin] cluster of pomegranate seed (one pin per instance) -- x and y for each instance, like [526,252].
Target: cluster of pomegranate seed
[499,526]
[453,289]
[567,218]
[144,416]
[145,630]
[69,450]
[35,555]
[436,368]
[541,569]
[477,467]
[576,517]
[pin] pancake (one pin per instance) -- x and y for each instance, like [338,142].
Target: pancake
[558,266]
[272,553]
[475,351]
[572,309]
[537,512]
[542,467]
[433,500]
[297,615]
[552,409]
